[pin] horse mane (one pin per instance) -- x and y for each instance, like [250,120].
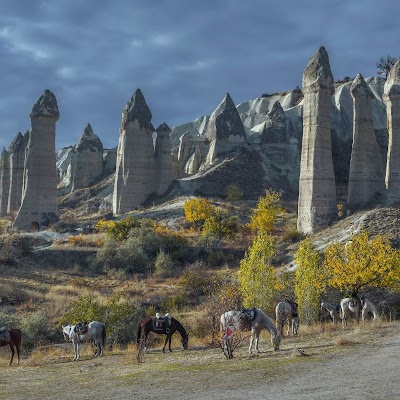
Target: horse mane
[179,327]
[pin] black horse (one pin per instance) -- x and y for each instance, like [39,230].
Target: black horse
[11,337]
[167,326]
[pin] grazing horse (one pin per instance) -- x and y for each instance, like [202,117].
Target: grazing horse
[286,311]
[166,326]
[348,305]
[11,337]
[83,332]
[334,310]
[259,321]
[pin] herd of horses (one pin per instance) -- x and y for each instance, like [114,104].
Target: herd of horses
[253,319]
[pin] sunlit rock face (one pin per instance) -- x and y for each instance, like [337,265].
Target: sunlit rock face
[87,162]
[392,100]
[317,189]
[39,205]
[135,169]
[366,177]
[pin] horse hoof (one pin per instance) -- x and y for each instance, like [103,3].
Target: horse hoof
[170,350]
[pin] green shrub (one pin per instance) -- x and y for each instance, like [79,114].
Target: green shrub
[293,236]
[174,303]
[8,320]
[164,265]
[37,328]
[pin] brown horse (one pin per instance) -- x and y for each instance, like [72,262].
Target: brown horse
[13,340]
[147,325]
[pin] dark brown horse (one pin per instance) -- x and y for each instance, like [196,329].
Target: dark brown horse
[148,325]
[13,340]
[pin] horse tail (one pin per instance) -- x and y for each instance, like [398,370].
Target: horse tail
[104,335]
[139,332]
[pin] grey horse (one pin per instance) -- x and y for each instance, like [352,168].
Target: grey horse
[83,332]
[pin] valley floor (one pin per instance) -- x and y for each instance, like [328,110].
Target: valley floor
[360,362]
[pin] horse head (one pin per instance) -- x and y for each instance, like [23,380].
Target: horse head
[66,330]
[185,342]
[276,341]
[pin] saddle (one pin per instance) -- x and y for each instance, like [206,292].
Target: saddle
[5,335]
[249,313]
[81,328]
[162,322]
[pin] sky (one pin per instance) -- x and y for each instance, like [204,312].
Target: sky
[184,55]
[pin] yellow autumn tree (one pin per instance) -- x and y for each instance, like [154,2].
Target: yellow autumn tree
[257,279]
[264,216]
[362,263]
[198,210]
[310,281]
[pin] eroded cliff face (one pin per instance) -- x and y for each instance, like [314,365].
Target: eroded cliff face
[39,203]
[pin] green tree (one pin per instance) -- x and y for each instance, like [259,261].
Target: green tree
[385,64]
[197,210]
[257,279]
[219,224]
[362,263]
[233,193]
[264,216]
[309,281]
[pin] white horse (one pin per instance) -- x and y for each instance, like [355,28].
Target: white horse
[333,310]
[348,305]
[259,321]
[230,318]
[286,311]
[83,332]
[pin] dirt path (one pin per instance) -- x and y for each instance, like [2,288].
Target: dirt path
[367,367]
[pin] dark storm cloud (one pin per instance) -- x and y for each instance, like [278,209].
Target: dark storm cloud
[183,55]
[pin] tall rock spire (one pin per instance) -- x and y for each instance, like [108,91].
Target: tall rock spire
[17,163]
[162,153]
[317,189]
[39,204]
[135,169]
[392,100]
[225,129]
[366,177]
[87,160]
[4,181]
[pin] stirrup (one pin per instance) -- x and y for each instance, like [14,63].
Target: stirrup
[167,330]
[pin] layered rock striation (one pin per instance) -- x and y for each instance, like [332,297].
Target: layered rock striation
[366,176]
[392,100]
[39,205]
[317,189]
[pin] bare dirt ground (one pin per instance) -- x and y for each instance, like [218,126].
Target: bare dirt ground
[360,362]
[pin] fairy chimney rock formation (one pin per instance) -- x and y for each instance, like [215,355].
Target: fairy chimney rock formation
[87,160]
[17,163]
[225,129]
[317,189]
[135,169]
[163,157]
[275,126]
[366,177]
[4,181]
[392,99]
[39,206]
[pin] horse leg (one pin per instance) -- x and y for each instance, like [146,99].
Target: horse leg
[76,350]
[165,344]
[18,347]
[257,338]
[11,344]
[169,342]
[288,326]
[251,342]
